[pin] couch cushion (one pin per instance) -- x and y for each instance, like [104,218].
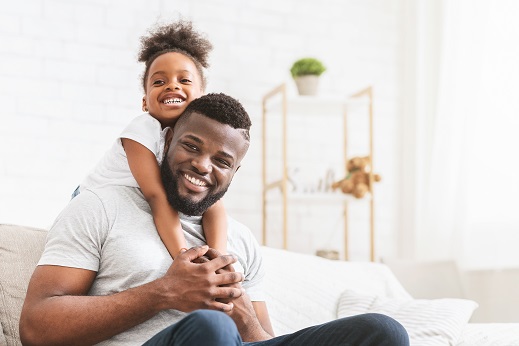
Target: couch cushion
[304,290]
[428,321]
[2,337]
[20,250]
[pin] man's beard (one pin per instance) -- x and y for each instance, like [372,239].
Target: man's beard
[183,204]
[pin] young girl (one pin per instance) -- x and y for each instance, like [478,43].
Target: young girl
[174,56]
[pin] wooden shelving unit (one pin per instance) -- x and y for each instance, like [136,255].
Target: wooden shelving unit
[287,197]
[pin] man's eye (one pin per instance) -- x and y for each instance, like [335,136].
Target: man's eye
[224,162]
[190,146]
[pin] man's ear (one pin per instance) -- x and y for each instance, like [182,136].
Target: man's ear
[144,106]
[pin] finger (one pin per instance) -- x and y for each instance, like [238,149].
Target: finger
[193,253]
[228,293]
[230,279]
[201,259]
[227,268]
[222,306]
[221,261]
[212,253]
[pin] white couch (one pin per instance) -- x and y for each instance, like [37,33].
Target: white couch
[302,290]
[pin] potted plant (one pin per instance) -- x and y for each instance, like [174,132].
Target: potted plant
[306,72]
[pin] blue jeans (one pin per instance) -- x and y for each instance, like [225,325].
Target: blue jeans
[213,328]
[75,193]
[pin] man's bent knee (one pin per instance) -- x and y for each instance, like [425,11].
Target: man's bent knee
[212,319]
[201,327]
[217,326]
[385,330]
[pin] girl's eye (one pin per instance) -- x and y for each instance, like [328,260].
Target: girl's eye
[185,80]
[158,82]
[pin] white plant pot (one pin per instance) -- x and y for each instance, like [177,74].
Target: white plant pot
[307,85]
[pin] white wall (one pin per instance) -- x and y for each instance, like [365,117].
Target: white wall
[495,291]
[69,82]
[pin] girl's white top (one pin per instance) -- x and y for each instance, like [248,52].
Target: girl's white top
[113,168]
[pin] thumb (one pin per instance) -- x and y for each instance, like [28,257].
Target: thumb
[194,253]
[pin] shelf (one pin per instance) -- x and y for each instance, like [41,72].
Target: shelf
[289,106]
[319,197]
[318,102]
[295,196]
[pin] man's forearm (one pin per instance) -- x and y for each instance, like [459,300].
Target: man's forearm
[86,320]
[250,329]
[247,321]
[244,314]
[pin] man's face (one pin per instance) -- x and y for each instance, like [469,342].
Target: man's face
[200,163]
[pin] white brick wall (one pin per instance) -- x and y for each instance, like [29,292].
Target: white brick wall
[69,82]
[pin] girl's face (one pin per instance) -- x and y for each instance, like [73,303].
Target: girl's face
[173,82]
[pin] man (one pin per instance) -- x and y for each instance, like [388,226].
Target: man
[105,277]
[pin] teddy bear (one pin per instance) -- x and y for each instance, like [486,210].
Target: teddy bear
[356,181]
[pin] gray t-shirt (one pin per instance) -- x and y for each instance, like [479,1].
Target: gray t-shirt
[110,230]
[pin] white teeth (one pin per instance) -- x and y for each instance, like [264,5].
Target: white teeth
[170,101]
[194,180]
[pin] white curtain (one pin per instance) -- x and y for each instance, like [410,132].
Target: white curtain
[468,200]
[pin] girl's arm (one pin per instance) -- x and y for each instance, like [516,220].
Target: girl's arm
[214,222]
[146,171]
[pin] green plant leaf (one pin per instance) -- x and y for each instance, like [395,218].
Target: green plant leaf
[307,66]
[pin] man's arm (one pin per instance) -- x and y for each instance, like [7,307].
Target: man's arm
[247,316]
[263,316]
[58,312]
[251,318]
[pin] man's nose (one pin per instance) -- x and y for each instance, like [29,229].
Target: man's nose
[202,164]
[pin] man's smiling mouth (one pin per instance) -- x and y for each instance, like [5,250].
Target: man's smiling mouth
[195,181]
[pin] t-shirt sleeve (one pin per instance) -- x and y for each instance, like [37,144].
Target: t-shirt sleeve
[76,237]
[253,283]
[147,131]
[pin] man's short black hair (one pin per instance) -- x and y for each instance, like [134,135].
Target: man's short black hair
[222,108]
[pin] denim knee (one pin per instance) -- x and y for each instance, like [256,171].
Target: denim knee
[201,327]
[359,330]
[216,325]
[211,319]
[386,330]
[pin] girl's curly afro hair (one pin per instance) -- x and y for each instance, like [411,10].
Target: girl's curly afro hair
[175,37]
